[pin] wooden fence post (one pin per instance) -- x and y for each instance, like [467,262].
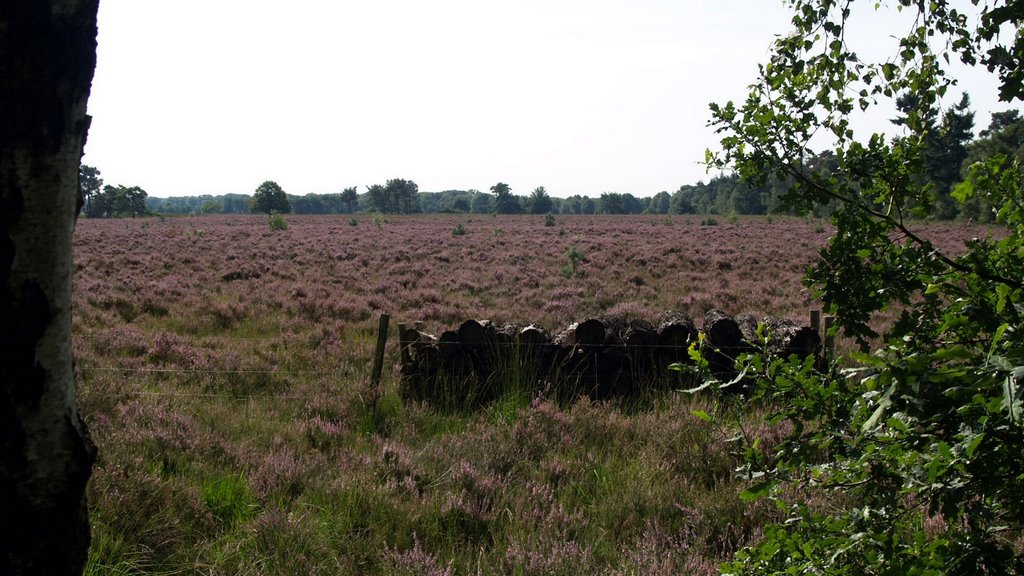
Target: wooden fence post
[378,354]
[403,349]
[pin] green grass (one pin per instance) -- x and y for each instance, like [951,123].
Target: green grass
[263,448]
[228,498]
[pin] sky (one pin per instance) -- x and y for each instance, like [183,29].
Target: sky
[195,97]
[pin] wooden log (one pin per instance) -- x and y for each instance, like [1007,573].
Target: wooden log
[675,334]
[475,334]
[676,330]
[640,333]
[748,324]
[424,352]
[776,330]
[803,342]
[428,369]
[572,372]
[784,337]
[611,374]
[590,332]
[403,348]
[533,336]
[724,340]
[615,328]
[420,364]
[585,358]
[449,345]
[722,331]
[537,353]
[505,335]
[641,347]
[416,339]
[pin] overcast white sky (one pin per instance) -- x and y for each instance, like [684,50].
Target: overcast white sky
[580,96]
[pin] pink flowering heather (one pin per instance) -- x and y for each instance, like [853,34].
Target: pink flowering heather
[213,348]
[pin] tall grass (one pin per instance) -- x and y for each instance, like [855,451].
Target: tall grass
[225,379]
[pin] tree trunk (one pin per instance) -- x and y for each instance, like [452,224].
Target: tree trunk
[47,58]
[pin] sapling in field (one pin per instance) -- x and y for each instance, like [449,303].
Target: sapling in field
[277,222]
[571,269]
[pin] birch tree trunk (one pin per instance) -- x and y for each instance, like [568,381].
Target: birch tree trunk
[47,58]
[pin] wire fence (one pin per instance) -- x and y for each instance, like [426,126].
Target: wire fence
[155,354]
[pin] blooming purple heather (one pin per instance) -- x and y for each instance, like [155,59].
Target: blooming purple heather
[224,370]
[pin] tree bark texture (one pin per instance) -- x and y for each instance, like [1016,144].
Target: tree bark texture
[47,59]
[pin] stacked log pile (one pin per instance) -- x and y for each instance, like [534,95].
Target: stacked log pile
[599,357]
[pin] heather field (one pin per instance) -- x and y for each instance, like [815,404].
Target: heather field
[223,369]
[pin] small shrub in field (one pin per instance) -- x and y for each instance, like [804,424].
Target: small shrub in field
[459,230]
[549,220]
[575,257]
[353,222]
[498,232]
[709,222]
[277,222]
[379,220]
[732,218]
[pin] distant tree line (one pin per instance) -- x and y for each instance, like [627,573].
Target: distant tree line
[99,201]
[948,149]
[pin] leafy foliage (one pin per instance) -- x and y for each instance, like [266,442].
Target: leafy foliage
[395,197]
[116,201]
[539,201]
[504,201]
[277,222]
[90,183]
[351,198]
[99,201]
[269,197]
[921,441]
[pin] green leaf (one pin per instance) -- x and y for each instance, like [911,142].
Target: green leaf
[1002,291]
[703,415]
[756,491]
[883,404]
[997,337]
[972,445]
[963,191]
[953,353]
[739,378]
[867,359]
[1011,399]
[707,384]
